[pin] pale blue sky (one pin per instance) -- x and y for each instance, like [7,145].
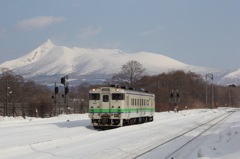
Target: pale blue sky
[197,32]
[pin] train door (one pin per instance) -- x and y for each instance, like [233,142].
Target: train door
[128,108]
[105,103]
[141,107]
[151,105]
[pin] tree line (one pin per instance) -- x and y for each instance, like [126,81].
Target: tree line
[15,89]
[191,87]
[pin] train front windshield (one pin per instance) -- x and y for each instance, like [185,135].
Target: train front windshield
[94,96]
[117,96]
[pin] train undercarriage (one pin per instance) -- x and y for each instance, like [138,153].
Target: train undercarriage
[107,123]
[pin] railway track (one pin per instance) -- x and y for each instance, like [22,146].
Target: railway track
[206,126]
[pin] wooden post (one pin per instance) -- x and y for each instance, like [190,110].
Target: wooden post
[13,109]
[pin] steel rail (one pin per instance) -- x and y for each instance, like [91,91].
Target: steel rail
[199,134]
[186,133]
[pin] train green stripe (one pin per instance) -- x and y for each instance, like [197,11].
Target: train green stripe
[120,110]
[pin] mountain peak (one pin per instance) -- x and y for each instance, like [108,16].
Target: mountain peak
[40,51]
[50,61]
[48,44]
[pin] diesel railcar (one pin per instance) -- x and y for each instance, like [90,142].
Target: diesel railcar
[116,106]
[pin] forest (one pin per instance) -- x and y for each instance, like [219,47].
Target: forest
[194,91]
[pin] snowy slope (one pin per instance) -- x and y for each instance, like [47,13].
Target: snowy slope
[232,77]
[53,61]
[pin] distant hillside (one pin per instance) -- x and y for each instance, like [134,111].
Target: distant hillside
[47,63]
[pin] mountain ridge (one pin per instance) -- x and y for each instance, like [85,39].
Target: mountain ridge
[51,61]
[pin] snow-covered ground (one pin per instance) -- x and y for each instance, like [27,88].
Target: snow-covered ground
[70,136]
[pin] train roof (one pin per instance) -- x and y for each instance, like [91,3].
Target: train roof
[130,88]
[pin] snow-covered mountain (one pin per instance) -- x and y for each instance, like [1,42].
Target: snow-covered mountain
[48,63]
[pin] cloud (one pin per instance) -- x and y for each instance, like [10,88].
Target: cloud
[3,33]
[87,32]
[38,22]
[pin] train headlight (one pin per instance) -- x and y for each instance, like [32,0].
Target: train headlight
[93,90]
[117,90]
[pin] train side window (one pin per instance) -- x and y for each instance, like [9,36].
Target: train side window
[117,96]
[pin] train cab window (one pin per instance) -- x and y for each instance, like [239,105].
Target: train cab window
[105,98]
[117,96]
[94,96]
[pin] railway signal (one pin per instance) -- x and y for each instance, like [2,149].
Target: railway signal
[63,80]
[56,90]
[55,97]
[178,96]
[66,89]
[175,99]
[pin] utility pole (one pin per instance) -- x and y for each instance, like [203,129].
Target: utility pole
[55,99]
[206,92]
[7,96]
[230,95]
[6,107]
[209,75]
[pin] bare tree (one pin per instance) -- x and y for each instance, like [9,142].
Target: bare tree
[130,74]
[83,90]
[14,89]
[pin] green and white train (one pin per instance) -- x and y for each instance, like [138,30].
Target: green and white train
[116,106]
